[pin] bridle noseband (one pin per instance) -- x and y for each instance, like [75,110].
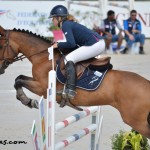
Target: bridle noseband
[5,48]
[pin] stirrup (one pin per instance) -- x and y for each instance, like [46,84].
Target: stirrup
[70,93]
[66,101]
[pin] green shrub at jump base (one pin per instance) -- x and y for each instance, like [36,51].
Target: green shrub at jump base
[129,141]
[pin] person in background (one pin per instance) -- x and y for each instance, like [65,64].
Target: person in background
[108,26]
[133,32]
[82,42]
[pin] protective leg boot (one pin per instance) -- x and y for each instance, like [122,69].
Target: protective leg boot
[70,79]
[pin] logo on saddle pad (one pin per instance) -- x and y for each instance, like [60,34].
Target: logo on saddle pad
[96,77]
[90,79]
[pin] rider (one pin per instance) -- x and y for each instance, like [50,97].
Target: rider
[82,42]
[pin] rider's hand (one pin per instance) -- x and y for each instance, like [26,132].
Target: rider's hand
[55,45]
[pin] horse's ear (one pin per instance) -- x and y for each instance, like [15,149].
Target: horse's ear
[2,31]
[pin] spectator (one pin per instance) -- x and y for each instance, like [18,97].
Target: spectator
[132,29]
[108,27]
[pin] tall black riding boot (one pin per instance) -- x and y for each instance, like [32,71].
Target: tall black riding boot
[70,79]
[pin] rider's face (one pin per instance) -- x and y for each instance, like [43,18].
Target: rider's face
[55,21]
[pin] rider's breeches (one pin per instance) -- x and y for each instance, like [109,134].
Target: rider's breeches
[86,52]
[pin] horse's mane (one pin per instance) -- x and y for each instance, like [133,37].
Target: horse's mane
[34,34]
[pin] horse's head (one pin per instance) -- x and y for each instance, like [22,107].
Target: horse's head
[8,50]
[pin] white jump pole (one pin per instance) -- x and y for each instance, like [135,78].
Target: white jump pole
[99,133]
[51,100]
[51,127]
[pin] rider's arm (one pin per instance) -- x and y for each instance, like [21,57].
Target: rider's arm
[70,41]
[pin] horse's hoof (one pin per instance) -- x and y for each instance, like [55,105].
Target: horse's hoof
[35,104]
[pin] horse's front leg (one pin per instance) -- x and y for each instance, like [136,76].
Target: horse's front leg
[31,85]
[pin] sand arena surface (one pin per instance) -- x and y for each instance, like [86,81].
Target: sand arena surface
[16,119]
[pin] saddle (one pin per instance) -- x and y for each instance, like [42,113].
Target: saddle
[85,71]
[93,64]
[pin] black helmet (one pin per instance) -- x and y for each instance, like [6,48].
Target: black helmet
[59,10]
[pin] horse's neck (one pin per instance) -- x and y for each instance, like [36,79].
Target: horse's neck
[36,50]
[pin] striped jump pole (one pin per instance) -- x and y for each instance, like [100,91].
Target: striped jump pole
[75,118]
[75,137]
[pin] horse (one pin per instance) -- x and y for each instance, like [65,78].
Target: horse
[126,91]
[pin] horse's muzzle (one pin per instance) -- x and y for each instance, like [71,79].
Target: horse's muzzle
[2,70]
[3,66]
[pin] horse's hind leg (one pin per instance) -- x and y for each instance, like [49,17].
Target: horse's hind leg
[24,81]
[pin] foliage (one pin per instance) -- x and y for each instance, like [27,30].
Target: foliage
[117,141]
[129,141]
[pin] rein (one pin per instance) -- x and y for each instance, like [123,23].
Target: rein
[21,57]
[17,58]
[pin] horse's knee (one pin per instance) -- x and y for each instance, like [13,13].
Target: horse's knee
[18,83]
[19,77]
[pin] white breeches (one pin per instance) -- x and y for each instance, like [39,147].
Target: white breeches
[86,52]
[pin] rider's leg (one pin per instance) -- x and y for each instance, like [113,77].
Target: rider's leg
[80,54]
[70,79]
[86,52]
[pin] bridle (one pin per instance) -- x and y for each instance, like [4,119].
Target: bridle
[7,47]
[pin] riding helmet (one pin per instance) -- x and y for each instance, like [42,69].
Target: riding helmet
[59,10]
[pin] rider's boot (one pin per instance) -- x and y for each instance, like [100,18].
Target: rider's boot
[70,79]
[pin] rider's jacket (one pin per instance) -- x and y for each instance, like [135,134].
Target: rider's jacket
[77,35]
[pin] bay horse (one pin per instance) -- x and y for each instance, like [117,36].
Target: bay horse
[126,91]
